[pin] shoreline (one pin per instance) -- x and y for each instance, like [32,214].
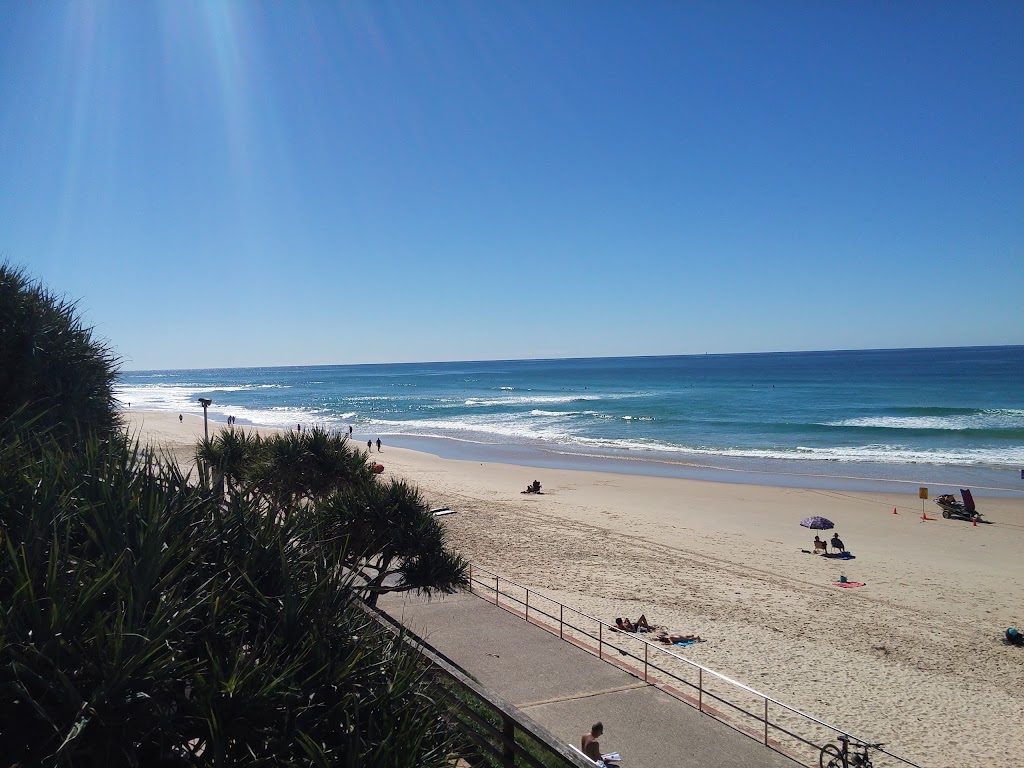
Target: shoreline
[744,472]
[915,658]
[773,472]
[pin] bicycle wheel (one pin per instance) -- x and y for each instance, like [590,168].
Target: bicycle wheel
[831,757]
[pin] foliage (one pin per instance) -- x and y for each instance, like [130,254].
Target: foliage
[393,542]
[230,454]
[383,532]
[284,467]
[147,622]
[53,373]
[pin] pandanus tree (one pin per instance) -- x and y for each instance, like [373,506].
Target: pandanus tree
[332,463]
[53,371]
[309,465]
[281,474]
[146,622]
[391,541]
[231,455]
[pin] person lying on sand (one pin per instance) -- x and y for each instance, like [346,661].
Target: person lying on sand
[665,637]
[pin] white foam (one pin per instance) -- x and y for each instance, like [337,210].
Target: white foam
[529,400]
[1003,418]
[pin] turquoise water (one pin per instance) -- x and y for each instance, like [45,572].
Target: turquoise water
[944,416]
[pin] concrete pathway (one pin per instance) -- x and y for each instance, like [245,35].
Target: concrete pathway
[566,689]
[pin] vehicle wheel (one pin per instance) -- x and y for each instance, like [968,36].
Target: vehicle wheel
[945,513]
[831,757]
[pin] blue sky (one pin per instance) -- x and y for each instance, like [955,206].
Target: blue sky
[252,183]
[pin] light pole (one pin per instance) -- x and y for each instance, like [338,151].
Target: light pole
[206,403]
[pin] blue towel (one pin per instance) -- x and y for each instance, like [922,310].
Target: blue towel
[687,642]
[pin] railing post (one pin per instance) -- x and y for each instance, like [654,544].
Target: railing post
[527,606]
[645,662]
[700,689]
[560,609]
[495,590]
[471,578]
[766,721]
[600,640]
[508,750]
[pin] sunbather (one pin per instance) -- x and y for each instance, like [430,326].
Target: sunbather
[641,624]
[665,637]
[837,544]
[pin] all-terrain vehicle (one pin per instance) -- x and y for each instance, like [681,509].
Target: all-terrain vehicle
[953,509]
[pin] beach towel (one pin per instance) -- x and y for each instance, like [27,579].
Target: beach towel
[849,584]
[686,642]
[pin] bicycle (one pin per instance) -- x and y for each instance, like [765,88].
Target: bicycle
[836,757]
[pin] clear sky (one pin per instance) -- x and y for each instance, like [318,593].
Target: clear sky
[277,183]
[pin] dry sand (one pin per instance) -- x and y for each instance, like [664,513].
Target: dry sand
[914,659]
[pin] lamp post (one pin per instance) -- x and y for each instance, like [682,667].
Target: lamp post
[206,403]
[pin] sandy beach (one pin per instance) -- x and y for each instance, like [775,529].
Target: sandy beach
[914,658]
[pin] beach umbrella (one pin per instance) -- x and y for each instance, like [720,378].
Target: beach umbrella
[817,522]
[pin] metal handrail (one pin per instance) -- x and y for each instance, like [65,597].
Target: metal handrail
[701,669]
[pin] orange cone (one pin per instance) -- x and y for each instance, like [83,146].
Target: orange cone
[974,522]
[924,516]
[894,511]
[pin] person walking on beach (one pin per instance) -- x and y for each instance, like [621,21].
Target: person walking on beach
[180,419]
[378,445]
[369,446]
[350,430]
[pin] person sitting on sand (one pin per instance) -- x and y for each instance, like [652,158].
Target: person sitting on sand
[837,543]
[625,625]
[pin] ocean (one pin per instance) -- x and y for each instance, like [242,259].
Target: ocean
[946,417]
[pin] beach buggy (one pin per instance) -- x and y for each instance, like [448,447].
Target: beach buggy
[951,508]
